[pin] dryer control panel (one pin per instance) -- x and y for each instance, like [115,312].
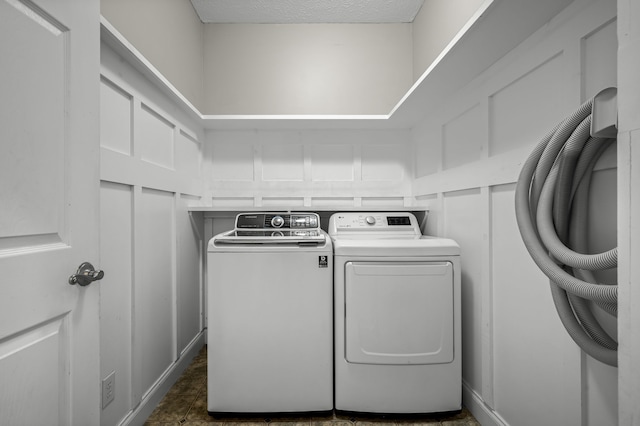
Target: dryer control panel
[374,221]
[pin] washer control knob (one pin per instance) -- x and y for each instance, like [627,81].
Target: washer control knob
[370,220]
[277,221]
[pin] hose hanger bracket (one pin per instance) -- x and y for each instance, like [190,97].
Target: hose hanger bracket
[604,113]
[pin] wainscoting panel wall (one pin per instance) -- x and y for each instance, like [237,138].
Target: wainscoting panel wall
[463,223]
[154,294]
[189,274]
[151,296]
[526,330]
[116,296]
[461,140]
[309,168]
[520,366]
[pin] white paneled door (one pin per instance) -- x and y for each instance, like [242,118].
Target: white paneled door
[49,100]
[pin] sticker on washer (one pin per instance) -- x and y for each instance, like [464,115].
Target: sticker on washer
[323,261]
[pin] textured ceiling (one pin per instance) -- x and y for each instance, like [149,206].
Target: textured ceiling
[306,11]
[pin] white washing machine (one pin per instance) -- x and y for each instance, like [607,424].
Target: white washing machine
[270,319]
[397,316]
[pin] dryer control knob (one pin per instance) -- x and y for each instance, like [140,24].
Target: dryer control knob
[277,221]
[370,220]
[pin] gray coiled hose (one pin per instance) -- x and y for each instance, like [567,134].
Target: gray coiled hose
[551,203]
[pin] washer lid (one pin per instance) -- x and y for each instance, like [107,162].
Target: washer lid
[266,236]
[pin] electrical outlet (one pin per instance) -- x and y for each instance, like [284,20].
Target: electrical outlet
[108,389]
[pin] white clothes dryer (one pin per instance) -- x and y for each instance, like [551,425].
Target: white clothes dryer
[397,316]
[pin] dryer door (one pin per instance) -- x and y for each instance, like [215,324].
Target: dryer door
[399,312]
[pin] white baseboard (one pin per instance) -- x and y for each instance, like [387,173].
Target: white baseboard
[142,411]
[484,414]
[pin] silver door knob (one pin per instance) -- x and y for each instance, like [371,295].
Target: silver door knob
[85,275]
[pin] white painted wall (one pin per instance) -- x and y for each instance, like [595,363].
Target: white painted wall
[169,34]
[287,69]
[519,365]
[306,68]
[151,300]
[435,25]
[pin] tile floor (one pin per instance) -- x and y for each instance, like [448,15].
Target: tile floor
[186,404]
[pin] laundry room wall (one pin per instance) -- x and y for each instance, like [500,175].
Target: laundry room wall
[435,25]
[151,304]
[519,365]
[169,34]
[287,68]
[306,68]
[269,68]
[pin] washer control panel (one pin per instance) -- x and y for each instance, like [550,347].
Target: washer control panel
[277,221]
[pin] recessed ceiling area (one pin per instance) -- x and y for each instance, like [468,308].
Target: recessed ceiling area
[306,11]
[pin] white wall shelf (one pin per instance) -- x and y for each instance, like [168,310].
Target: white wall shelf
[224,211]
